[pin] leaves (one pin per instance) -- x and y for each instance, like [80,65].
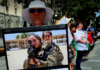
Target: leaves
[17,36]
[3,2]
[81,9]
[23,35]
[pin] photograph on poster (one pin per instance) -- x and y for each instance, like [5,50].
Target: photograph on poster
[36,49]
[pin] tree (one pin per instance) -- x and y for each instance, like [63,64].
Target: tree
[26,34]
[97,22]
[17,36]
[26,3]
[81,9]
[23,35]
[3,3]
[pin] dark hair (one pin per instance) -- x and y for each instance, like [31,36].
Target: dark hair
[78,22]
[33,34]
[85,26]
[46,32]
[72,25]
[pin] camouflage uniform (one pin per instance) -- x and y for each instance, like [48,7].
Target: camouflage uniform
[60,56]
[51,60]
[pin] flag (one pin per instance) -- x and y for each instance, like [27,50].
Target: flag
[63,21]
[90,39]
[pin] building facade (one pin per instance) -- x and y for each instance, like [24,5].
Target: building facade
[10,15]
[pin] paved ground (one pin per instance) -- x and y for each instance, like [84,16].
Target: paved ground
[2,63]
[92,60]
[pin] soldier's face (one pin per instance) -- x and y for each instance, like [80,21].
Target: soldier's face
[37,16]
[47,37]
[35,41]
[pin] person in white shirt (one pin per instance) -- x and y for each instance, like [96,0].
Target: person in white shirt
[98,34]
[81,43]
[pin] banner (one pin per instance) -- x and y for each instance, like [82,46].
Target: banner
[63,21]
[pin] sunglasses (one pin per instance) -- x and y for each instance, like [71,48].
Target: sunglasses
[38,10]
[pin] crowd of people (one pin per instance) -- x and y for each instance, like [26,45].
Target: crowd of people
[38,14]
[81,45]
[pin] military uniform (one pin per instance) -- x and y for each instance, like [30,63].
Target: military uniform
[51,60]
[60,56]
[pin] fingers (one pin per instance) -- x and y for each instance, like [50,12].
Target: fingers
[31,61]
[38,62]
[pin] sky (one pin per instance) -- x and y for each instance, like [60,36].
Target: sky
[97,14]
[13,35]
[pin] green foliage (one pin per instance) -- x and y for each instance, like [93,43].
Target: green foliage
[3,2]
[26,3]
[81,9]
[97,20]
[23,35]
[17,36]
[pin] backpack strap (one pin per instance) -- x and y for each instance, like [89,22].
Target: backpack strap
[48,52]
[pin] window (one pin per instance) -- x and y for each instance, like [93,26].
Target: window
[7,9]
[15,11]
[9,23]
[17,23]
[0,32]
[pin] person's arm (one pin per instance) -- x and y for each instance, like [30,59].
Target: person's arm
[79,39]
[71,48]
[89,32]
[93,31]
[60,55]
[25,64]
[82,41]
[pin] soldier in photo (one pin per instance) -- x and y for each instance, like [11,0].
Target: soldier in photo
[47,36]
[39,55]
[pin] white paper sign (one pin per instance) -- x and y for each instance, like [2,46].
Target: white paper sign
[63,21]
[70,38]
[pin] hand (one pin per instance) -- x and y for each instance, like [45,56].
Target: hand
[38,62]
[31,61]
[74,53]
[87,42]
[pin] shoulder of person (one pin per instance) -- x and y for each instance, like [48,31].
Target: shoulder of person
[77,32]
[54,44]
[25,64]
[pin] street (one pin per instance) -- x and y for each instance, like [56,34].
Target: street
[92,60]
